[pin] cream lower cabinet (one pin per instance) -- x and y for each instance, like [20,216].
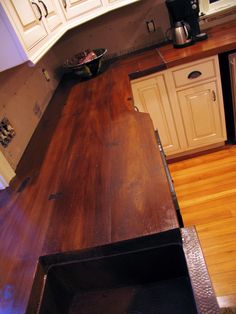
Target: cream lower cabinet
[186,106]
[201,115]
[150,95]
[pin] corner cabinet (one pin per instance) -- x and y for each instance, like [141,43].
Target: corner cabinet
[186,106]
[29,28]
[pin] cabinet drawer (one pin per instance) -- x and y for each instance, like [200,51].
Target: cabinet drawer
[194,72]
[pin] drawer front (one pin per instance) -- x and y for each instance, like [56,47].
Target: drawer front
[193,73]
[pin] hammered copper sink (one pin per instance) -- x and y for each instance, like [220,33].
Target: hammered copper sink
[144,275]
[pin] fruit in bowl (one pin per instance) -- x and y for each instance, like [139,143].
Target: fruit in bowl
[87,63]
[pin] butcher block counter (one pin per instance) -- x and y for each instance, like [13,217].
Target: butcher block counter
[92,173]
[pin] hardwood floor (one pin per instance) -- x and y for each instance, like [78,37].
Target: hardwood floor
[206,190]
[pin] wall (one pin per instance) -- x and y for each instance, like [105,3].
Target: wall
[121,31]
[24,92]
[24,95]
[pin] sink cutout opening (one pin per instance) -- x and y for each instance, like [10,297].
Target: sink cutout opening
[134,282]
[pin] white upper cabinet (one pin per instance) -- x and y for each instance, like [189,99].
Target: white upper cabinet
[75,8]
[27,21]
[51,11]
[29,28]
[79,11]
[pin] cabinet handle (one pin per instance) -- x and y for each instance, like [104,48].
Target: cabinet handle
[136,108]
[40,12]
[194,74]
[214,95]
[45,7]
[64,4]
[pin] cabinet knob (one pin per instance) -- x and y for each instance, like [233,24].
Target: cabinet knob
[40,12]
[45,8]
[136,108]
[194,74]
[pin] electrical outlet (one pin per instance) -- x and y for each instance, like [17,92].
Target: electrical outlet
[46,75]
[151,26]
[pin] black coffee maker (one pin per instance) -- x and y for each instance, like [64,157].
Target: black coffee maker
[188,12]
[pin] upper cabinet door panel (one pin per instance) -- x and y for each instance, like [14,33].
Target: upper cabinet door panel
[53,17]
[75,8]
[26,17]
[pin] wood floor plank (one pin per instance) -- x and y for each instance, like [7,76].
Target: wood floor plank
[194,201]
[222,178]
[203,216]
[215,228]
[223,248]
[219,239]
[219,258]
[223,282]
[206,191]
[220,267]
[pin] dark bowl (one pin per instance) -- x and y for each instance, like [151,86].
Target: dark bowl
[86,69]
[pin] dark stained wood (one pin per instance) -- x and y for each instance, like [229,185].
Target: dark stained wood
[220,38]
[95,174]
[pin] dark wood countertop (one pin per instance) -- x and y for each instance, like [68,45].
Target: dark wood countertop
[92,174]
[221,38]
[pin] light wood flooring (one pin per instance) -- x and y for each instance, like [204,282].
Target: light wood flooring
[206,190]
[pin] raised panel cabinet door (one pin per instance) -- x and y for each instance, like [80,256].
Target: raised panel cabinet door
[202,115]
[52,13]
[73,8]
[150,95]
[27,18]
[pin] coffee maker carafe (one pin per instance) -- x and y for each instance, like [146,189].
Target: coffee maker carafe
[187,11]
[181,34]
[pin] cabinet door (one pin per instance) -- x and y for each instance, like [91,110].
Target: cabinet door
[203,117]
[74,8]
[27,17]
[51,11]
[150,95]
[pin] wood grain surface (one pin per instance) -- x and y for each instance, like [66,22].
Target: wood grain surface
[206,190]
[92,173]
[220,38]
